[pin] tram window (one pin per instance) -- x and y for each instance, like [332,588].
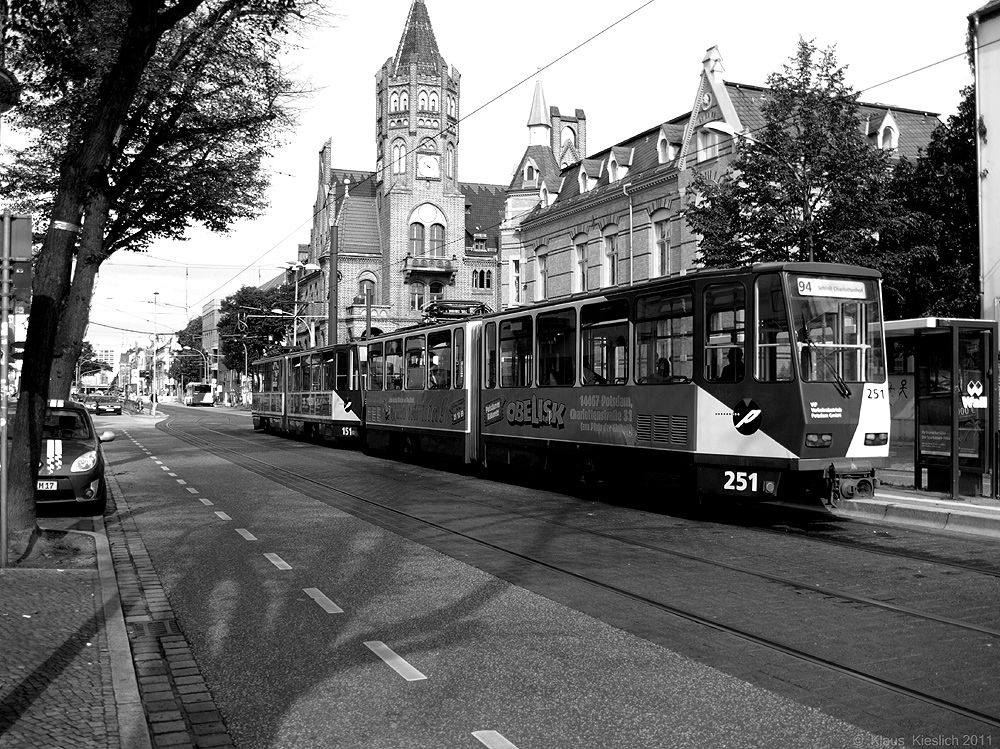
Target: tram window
[296,383]
[375,366]
[277,377]
[515,352]
[315,365]
[604,330]
[460,357]
[329,369]
[439,360]
[556,347]
[491,355]
[415,364]
[343,370]
[773,362]
[394,365]
[664,335]
[725,331]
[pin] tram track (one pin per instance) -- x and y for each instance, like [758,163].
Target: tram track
[300,482]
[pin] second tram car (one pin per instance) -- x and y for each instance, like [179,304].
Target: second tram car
[760,382]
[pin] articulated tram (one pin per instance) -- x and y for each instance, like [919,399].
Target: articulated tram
[761,382]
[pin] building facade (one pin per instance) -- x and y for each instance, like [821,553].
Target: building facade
[616,217]
[410,232]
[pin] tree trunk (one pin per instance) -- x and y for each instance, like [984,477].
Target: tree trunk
[76,311]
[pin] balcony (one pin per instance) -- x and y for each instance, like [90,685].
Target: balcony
[442,268]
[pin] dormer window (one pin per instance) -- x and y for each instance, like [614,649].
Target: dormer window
[666,151]
[889,139]
[613,170]
[543,194]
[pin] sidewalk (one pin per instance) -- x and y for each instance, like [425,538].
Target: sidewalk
[92,657]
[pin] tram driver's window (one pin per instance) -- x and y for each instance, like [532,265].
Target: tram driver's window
[725,332]
[394,365]
[515,352]
[343,370]
[556,347]
[375,367]
[459,358]
[773,362]
[415,364]
[604,333]
[664,337]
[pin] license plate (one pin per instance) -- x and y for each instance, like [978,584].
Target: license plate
[46,486]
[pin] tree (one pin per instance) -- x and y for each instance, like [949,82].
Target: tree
[247,328]
[929,255]
[128,92]
[88,361]
[188,366]
[806,185]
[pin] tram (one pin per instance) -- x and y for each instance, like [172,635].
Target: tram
[761,382]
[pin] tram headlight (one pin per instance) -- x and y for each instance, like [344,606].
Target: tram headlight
[876,438]
[819,440]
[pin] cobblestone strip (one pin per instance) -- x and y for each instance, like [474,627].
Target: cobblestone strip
[180,711]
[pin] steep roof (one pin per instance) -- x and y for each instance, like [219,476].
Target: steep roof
[417,43]
[545,162]
[484,210]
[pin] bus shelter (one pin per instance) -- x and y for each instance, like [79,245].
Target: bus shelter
[943,393]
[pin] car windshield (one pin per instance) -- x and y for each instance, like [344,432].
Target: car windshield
[62,424]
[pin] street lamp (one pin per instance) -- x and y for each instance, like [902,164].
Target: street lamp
[800,176]
[204,357]
[298,267]
[307,319]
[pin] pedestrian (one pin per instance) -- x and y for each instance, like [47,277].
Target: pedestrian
[152,403]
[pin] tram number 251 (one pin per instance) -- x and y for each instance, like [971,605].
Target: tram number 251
[740,481]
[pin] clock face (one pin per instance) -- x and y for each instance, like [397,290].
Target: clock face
[428,166]
[706,100]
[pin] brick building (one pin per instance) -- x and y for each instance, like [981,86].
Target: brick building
[411,231]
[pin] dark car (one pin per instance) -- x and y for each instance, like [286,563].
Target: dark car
[71,471]
[104,405]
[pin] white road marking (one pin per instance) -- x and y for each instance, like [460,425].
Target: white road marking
[394,662]
[193,491]
[181,482]
[157,461]
[165,468]
[206,502]
[325,603]
[172,474]
[493,740]
[223,516]
[277,561]
[246,534]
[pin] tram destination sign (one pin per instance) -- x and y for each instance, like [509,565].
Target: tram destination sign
[836,288]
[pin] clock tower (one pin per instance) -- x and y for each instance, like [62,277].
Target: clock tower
[420,204]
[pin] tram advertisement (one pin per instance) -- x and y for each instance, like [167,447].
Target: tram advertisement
[577,415]
[433,409]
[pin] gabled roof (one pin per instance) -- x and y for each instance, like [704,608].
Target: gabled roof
[544,161]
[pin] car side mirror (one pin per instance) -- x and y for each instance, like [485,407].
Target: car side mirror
[107,436]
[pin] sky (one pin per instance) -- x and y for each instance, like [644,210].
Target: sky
[629,65]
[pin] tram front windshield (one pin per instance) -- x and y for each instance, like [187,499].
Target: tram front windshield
[838,325]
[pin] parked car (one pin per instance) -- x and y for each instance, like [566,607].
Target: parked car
[70,473]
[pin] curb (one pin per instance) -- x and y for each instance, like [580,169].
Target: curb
[921,513]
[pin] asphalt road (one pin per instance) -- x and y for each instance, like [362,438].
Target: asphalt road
[320,622]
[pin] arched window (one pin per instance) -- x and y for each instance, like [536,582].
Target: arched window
[422,101]
[394,103]
[398,157]
[366,288]
[434,101]
[449,162]
[451,105]
[613,171]
[568,136]
[417,291]
[436,244]
[416,239]
[489,280]
[542,273]
[610,255]
[404,101]
[529,173]
[436,291]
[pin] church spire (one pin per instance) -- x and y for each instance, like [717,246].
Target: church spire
[417,44]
